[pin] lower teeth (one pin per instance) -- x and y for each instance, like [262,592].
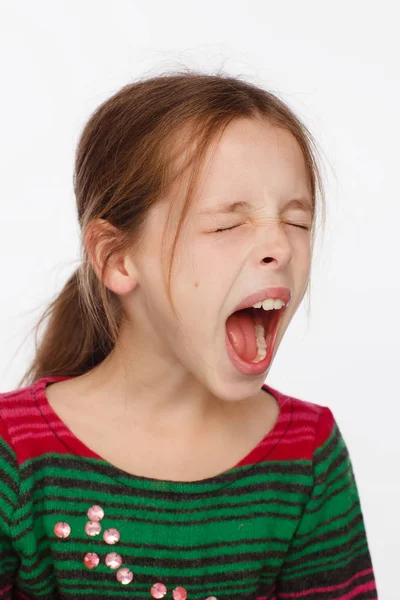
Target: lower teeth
[261,344]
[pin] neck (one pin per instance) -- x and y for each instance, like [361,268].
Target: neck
[157,393]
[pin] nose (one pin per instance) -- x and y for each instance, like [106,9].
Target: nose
[274,246]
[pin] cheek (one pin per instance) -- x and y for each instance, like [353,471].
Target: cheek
[301,263]
[305,253]
[206,260]
[301,244]
[304,271]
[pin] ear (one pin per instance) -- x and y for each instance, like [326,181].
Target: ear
[120,275]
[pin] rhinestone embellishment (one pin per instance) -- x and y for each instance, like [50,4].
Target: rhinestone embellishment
[92,528]
[62,530]
[91,560]
[179,593]
[111,536]
[95,513]
[124,576]
[158,590]
[113,560]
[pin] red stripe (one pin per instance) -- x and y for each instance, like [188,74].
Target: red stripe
[35,428]
[6,589]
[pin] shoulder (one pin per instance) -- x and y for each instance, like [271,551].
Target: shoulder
[308,425]
[317,417]
[16,406]
[22,422]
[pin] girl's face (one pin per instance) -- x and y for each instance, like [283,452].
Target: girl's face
[267,246]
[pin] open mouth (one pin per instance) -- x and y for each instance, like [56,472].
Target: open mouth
[252,333]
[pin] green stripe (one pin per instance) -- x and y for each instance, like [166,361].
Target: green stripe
[224,536]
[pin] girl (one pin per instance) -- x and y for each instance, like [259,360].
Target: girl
[145,457]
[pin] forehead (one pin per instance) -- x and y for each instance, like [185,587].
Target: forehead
[255,163]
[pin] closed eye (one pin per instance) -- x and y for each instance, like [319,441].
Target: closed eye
[306,227]
[227,229]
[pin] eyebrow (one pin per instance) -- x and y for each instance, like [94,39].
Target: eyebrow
[243,206]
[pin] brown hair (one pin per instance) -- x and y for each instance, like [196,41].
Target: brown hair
[125,163]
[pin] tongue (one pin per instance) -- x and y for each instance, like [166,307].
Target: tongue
[241,333]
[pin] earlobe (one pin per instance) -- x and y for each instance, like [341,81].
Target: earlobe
[120,276]
[125,276]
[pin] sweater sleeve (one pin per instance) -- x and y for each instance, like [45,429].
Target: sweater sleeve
[329,556]
[9,486]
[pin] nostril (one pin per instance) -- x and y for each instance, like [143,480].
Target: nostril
[268,259]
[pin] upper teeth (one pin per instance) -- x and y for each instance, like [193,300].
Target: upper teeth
[269,304]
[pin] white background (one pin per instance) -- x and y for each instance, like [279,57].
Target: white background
[336,64]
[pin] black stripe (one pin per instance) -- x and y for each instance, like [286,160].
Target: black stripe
[9,482]
[65,462]
[329,553]
[333,535]
[330,577]
[323,454]
[7,453]
[156,547]
[167,496]
[189,581]
[328,521]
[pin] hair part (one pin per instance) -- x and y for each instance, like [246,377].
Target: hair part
[133,149]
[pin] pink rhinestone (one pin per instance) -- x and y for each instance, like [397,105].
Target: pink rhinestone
[92,528]
[111,536]
[91,560]
[113,560]
[95,513]
[62,530]
[179,593]
[158,590]
[124,576]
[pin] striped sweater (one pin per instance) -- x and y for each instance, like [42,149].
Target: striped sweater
[283,523]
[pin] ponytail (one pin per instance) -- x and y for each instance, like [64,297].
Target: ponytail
[76,339]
